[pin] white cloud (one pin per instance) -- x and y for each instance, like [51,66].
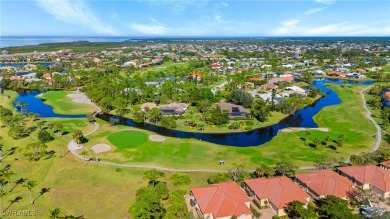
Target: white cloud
[75,12]
[326,2]
[217,18]
[328,29]
[149,29]
[313,11]
[287,27]
[224,4]
[176,6]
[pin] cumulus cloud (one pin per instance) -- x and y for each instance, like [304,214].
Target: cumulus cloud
[75,12]
[149,29]
[287,27]
[326,2]
[313,11]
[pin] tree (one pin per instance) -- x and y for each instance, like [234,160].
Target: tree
[2,194]
[58,127]
[240,97]
[147,205]
[260,110]
[152,176]
[306,77]
[216,117]
[236,172]
[308,133]
[155,115]
[336,208]
[7,176]
[30,185]
[78,136]
[56,214]
[325,163]
[35,150]
[165,122]
[264,170]
[90,117]
[296,210]
[44,136]
[177,207]
[180,179]
[316,142]
[285,168]
[16,132]
[219,177]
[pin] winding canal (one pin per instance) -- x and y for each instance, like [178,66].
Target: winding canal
[302,118]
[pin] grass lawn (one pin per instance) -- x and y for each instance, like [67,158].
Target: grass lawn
[7,98]
[62,104]
[127,139]
[347,118]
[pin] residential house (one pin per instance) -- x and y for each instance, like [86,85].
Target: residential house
[234,111]
[321,183]
[147,106]
[269,86]
[277,192]
[385,165]
[173,108]
[222,201]
[336,74]
[267,97]
[369,177]
[215,66]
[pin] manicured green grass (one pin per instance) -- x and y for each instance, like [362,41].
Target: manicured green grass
[62,104]
[7,98]
[127,139]
[347,118]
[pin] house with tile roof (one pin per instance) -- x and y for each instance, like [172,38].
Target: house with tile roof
[369,177]
[222,201]
[277,192]
[321,183]
[385,165]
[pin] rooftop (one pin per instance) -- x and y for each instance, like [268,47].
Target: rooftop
[222,200]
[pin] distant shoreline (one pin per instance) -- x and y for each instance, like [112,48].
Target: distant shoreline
[17,41]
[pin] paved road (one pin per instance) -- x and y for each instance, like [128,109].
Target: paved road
[73,147]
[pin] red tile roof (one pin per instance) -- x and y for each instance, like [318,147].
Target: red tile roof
[326,182]
[335,73]
[386,163]
[255,79]
[222,200]
[288,79]
[278,190]
[370,174]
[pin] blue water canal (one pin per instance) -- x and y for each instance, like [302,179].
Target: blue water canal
[302,118]
[37,105]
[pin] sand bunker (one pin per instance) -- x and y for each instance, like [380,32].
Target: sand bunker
[158,138]
[100,148]
[79,98]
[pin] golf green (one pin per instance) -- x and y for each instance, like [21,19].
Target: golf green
[127,139]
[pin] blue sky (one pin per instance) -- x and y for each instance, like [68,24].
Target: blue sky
[195,18]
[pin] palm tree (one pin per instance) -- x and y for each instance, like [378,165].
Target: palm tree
[7,175]
[84,153]
[2,194]
[30,185]
[58,127]
[77,136]
[55,213]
